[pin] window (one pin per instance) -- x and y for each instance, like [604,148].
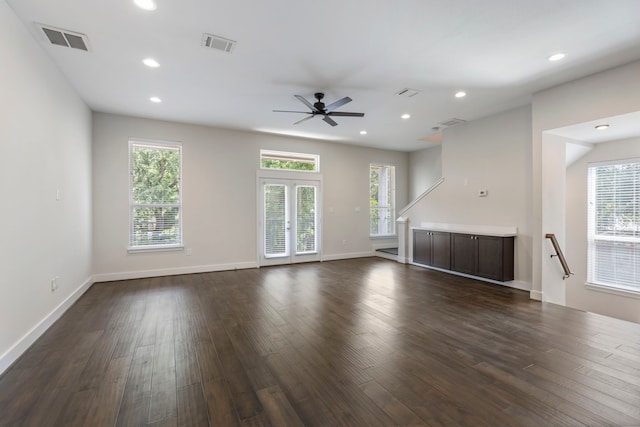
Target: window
[282,160]
[614,224]
[155,199]
[382,194]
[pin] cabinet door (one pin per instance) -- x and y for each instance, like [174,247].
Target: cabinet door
[490,256]
[441,249]
[421,247]
[463,253]
[495,257]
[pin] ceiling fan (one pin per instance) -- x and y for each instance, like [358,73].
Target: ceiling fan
[318,108]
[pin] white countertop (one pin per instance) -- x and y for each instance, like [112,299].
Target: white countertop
[484,230]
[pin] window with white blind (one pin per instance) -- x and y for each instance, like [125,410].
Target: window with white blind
[382,195]
[155,199]
[614,224]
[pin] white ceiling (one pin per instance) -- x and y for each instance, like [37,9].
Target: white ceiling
[495,50]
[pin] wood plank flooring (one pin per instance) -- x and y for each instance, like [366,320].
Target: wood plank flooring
[363,342]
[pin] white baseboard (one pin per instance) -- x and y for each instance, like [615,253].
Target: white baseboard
[386,256]
[126,275]
[350,255]
[11,355]
[535,295]
[516,284]
[403,260]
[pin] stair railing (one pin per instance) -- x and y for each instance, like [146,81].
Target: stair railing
[560,255]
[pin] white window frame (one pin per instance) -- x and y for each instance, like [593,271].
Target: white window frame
[290,156]
[140,142]
[391,206]
[595,280]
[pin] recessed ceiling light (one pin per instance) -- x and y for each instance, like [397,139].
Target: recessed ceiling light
[602,127]
[146,4]
[363,132]
[155,99]
[150,62]
[406,116]
[461,94]
[557,56]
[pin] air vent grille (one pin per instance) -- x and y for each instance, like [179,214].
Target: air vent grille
[218,43]
[452,122]
[408,92]
[65,38]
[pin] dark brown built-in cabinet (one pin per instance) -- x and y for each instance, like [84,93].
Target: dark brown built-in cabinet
[432,248]
[489,257]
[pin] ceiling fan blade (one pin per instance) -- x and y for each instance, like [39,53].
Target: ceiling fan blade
[345,114]
[337,104]
[307,103]
[330,121]
[287,111]
[311,116]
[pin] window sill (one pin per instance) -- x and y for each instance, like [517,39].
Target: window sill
[624,292]
[383,236]
[151,249]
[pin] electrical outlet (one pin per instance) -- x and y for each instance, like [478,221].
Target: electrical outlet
[188,252]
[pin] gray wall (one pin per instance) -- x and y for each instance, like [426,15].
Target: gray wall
[425,169]
[219,195]
[45,149]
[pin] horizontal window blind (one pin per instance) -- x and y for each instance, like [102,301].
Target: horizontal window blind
[155,195]
[614,224]
[275,220]
[382,200]
[305,219]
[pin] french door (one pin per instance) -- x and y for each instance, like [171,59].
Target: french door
[288,222]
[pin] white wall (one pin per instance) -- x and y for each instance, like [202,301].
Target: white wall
[45,145]
[219,195]
[610,93]
[491,154]
[578,295]
[425,169]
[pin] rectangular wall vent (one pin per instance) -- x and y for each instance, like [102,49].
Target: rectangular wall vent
[408,92]
[65,38]
[216,42]
[452,122]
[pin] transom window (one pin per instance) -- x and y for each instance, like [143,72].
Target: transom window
[282,160]
[614,224]
[155,198]
[382,195]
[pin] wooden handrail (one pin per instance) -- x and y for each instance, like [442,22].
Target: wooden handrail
[559,254]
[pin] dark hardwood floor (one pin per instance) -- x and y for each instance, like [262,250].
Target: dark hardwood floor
[358,342]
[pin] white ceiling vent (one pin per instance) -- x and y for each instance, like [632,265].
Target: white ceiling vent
[452,122]
[65,38]
[216,42]
[408,92]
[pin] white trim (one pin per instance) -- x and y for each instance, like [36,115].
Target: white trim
[126,275]
[350,255]
[516,284]
[485,230]
[11,355]
[536,295]
[386,256]
[420,197]
[628,293]
[155,248]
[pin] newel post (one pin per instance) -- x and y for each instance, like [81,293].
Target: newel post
[402,228]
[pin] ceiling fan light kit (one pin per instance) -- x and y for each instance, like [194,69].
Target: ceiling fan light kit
[319,108]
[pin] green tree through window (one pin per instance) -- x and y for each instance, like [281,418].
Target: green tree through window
[155,195]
